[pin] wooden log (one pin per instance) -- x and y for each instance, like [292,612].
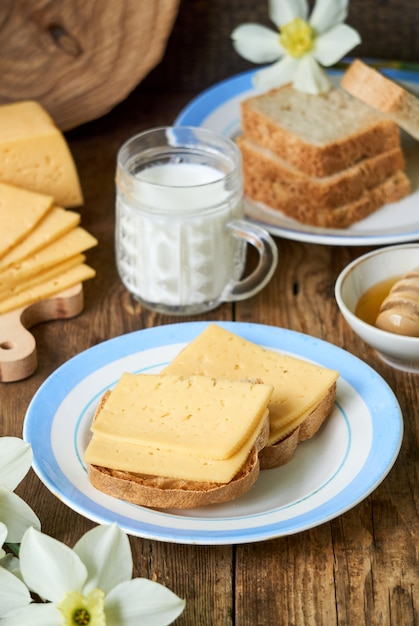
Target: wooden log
[79,59]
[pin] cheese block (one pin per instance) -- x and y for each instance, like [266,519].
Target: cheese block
[20,212]
[139,459]
[56,223]
[299,386]
[76,241]
[197,416]
[34,154]
[49,288]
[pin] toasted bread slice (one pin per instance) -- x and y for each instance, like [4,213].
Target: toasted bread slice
[171,493]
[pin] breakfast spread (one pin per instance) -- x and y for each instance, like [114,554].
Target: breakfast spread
[172,441]
[326,160]
[399,311]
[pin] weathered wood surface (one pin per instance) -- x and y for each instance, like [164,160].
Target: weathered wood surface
[361,568]
[78,58]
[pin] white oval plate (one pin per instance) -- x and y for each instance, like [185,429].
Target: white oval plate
[329,474]
[218,109]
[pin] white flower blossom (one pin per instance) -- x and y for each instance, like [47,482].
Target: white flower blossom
[89,584]
[15,461]
[304,43]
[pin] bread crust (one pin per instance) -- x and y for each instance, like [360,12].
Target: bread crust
[172,493]
[275,121]
[381,93]
[280,453]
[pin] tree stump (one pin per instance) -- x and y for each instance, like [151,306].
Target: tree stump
[80,58]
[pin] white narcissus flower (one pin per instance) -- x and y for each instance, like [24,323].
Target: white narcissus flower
[304,43]
[90,584]
[15,461]
[13,593]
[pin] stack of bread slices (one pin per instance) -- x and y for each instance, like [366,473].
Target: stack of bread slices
[326,160]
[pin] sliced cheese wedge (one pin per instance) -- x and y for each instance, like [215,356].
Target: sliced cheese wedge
[34,154]
[195,416]
[76,241]
[50,288]
[53,225]
[299,386]
[133,457]
[20,212]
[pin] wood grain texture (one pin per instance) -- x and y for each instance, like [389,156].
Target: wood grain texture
[360,568]
[79,59]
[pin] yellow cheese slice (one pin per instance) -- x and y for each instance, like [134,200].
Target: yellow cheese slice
[42,277]
[56,223]
[74,242]
[298,385]
[51,287]
[198,415]
[132,457]
[34,154]
[20,212]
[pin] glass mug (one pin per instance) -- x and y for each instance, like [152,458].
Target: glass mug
[180,236]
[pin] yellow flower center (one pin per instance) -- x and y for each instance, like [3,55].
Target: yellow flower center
[297,38]
[80,610]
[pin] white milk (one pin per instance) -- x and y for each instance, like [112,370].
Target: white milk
[172,244]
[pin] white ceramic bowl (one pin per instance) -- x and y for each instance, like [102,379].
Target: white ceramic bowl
[399,351]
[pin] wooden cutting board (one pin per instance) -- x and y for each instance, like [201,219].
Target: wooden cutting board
[18,358]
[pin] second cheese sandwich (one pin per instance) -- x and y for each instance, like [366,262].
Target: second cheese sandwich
[303,395]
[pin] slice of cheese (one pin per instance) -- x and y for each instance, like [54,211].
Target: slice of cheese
[20,212]
[34,154]
[74,242]
[56,223]
[132,457]
[42,277]
[198,416]
[50,288]
[299,386]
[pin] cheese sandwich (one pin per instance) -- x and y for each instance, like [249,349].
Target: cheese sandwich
[178,442]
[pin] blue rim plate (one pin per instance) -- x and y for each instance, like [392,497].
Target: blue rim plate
[218,109]
[329,474]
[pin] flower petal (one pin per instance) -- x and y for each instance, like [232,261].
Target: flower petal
[34,615]
[283,11]
[256,43]
[15,461]
[276,75]
[333,45]
[328,13]
[141,600]
[14,594]
[16,515]
[310,77]
[106,553]
[49,567]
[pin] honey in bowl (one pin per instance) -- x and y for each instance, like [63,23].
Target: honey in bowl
[392,305]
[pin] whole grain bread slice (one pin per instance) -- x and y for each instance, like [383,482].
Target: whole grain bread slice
[262,167]
[380,92]
[319,135]
[171,493]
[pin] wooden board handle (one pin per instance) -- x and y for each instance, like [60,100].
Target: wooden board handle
[18,358]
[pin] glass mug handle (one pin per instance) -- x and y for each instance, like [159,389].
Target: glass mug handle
[268,260]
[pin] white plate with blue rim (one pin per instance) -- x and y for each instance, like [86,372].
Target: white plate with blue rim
[329,474]
[218,109]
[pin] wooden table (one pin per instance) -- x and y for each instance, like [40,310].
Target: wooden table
[360,568]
